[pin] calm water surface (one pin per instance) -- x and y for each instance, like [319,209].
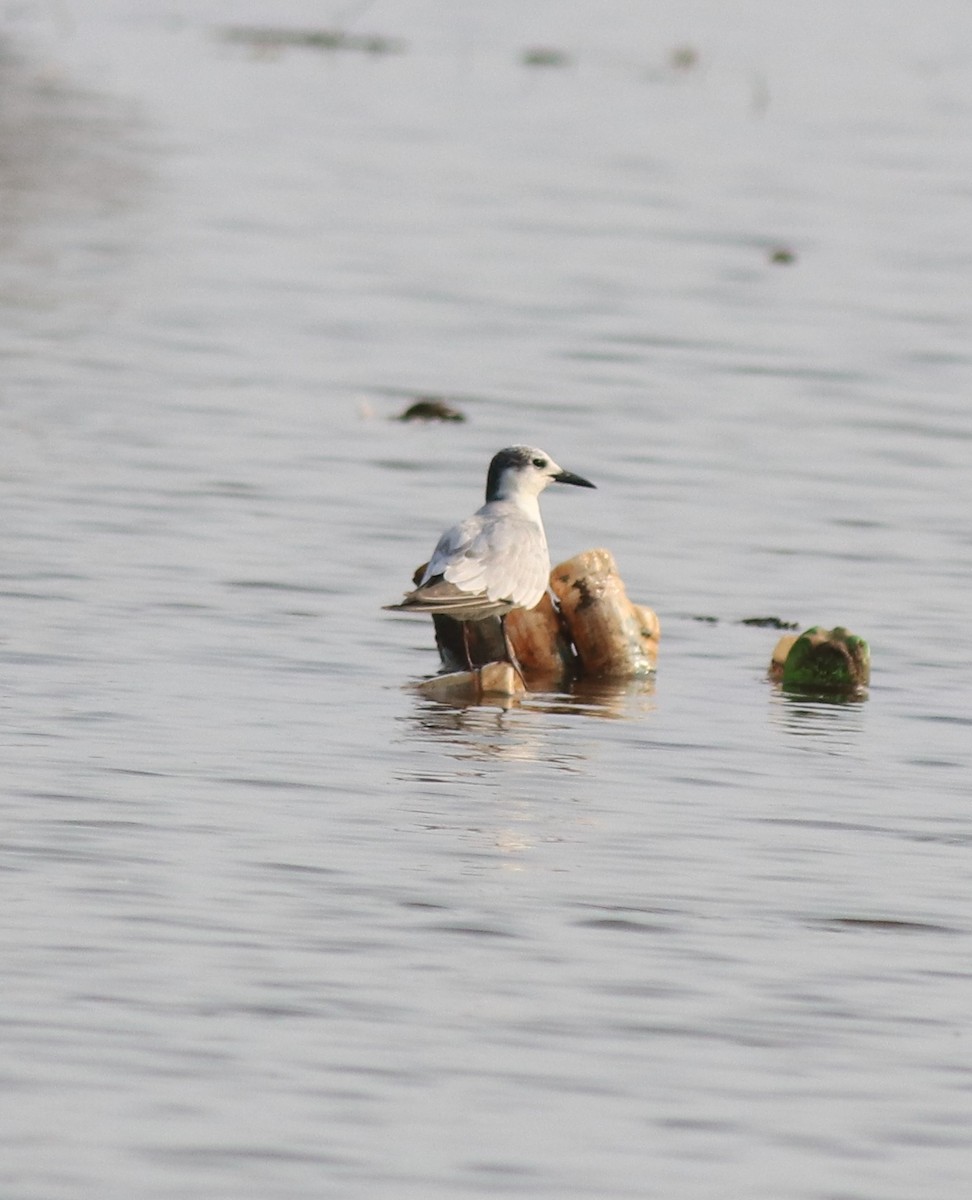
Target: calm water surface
[276,926]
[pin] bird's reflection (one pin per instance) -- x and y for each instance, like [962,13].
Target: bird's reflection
[605,698]
[520,728]
[503,777]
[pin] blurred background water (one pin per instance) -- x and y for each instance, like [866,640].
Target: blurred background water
[274,925]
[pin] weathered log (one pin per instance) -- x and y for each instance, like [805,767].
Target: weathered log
[613,637]
[780,651]
[538,637]
[493,679]
[464,645]
[592,631]
[541,642]
[822,660]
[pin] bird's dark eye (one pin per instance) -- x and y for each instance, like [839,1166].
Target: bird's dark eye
[540,463]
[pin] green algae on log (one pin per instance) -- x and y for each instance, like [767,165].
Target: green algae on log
[823,660]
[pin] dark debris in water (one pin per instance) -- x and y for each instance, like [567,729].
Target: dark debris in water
[678,63]
[268,38]
[684,58]
[782,255]
[623,925]
[884,924]
[756,622]
[545,56]
[431,408]
[275,585]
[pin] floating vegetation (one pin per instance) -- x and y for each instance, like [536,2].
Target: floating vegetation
[545,56]
[431,408]
[782,254]
[267,38]
[678,63]
[770,623]
[683,58]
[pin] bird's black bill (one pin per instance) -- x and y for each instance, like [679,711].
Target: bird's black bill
[570,477]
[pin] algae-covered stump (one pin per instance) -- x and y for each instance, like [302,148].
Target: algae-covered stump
[823,660]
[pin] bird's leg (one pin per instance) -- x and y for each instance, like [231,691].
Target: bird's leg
[465,644]
[510,653]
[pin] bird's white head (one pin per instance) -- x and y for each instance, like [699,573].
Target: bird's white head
[519,472]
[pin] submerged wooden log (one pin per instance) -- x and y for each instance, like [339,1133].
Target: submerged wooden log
[541,642]
[614,637]
[464,645]
[493,679]
[780,652]
[822,660]
[591,631]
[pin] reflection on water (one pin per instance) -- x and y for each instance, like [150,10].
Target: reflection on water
[834,723]
[604,698]
[488,731]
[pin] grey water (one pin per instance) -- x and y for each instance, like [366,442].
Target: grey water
[274,924]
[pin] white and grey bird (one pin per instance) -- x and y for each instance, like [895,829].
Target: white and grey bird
[497,559]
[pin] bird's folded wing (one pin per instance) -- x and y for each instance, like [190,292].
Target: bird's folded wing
[441,596]
[456,544]
[502,556]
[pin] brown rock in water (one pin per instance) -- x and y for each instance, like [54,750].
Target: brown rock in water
[614,637]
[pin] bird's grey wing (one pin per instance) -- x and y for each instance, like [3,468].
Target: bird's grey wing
[502,554]
[454,544]
[458,550]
